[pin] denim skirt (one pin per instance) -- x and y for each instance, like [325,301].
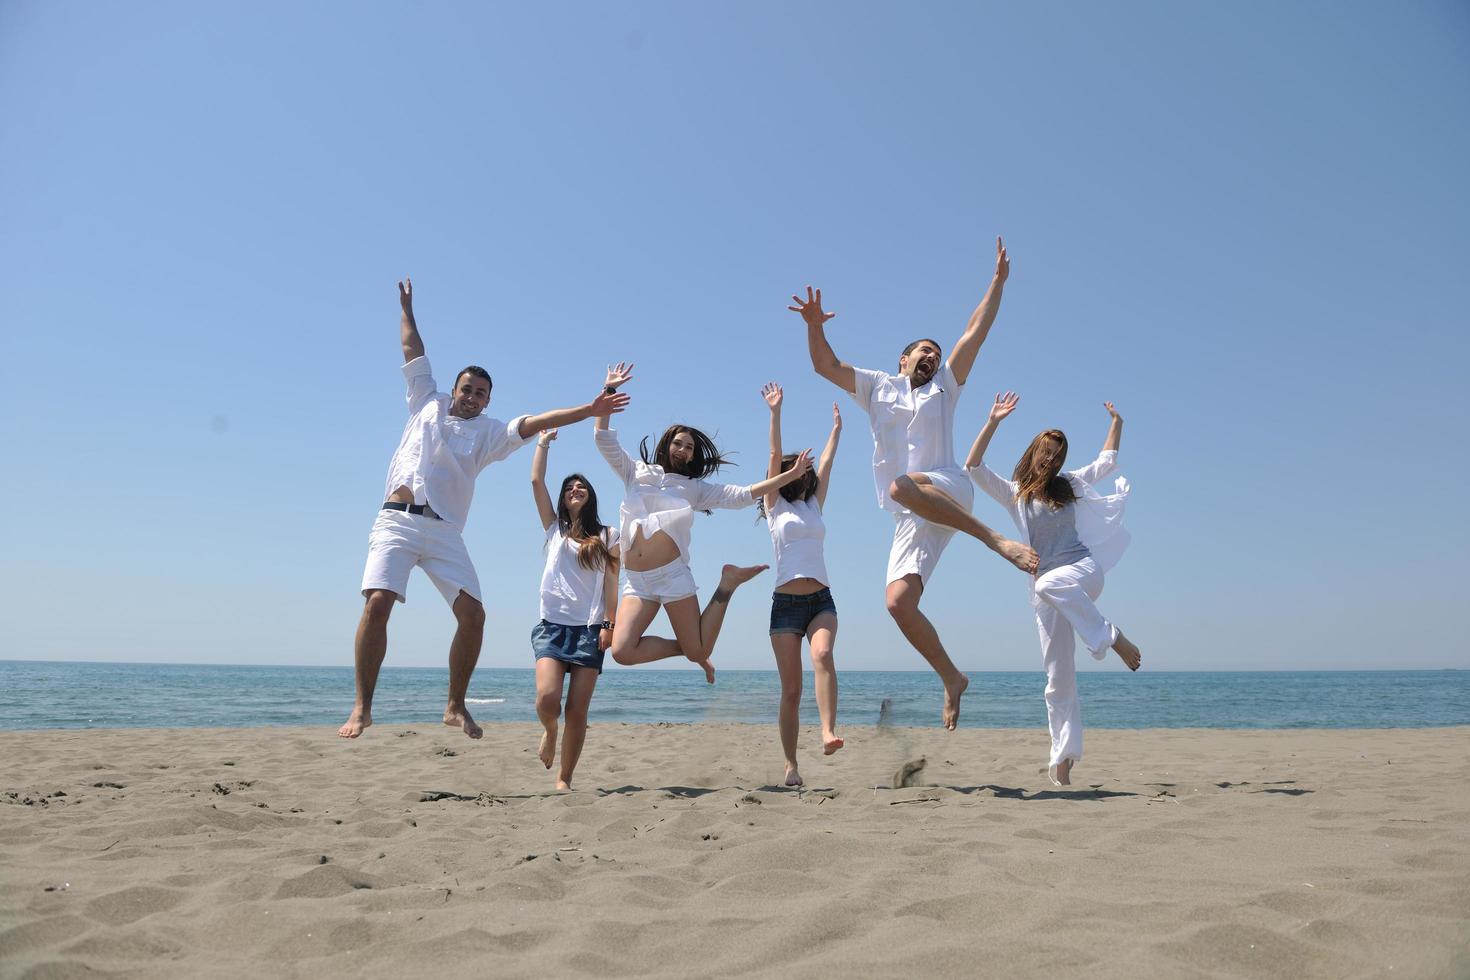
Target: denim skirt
[794,613]
[575,646]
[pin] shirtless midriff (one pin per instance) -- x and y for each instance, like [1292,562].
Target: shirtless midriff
[645,554]
[800,586]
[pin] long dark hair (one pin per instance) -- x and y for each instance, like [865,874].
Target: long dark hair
[706,459]
[1050,486]
[796,490]
[585,528]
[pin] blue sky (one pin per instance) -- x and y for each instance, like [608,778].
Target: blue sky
[1246,225]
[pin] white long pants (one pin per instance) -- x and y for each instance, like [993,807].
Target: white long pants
[1066,602]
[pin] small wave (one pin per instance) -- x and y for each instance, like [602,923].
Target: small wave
[484,700]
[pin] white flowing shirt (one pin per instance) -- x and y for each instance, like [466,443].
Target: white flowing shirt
[1099,516]
[570,594]
[440,455]
[797,534]
[656,501]
[913,428]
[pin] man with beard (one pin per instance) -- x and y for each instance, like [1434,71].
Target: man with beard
[431,481]
[914,467]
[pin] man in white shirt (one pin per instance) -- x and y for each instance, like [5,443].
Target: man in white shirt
[431,481]
[915,472]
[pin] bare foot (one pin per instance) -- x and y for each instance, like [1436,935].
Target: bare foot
[563,784]
[793,778]
[546,752]
[830,743]
[459,717]
[709,670]
[1062,772]
[952,702]
[1126,649]
[733,576]
[356,722]
[1019,555]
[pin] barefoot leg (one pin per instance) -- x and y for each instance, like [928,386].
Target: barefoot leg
[464,653]
[787,648]
[369,649]
[903,605]
[629,645]
[550,675]
[696,636]
[914,491]
[822,635]
[579,696]
[1128,651]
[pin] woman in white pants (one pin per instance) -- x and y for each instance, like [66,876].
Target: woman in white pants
[661,493]
[579,584]
[801,605]
[1078,535]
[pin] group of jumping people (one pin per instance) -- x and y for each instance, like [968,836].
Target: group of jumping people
[1070,523]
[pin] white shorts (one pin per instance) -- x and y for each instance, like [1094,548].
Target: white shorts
[399,541]
[917,543]
[667,583]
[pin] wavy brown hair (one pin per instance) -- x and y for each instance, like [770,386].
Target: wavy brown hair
[585,529]
[1049,485]
[803,489]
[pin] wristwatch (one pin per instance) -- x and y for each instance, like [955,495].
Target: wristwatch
[607,624]
[609,390]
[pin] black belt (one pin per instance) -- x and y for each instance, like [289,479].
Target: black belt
[421,509]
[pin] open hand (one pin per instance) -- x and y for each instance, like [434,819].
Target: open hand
[811,310]
[547,437]
[405,295]
[1112,411]
[1002,260]
[618,375]
[772,393]
[800,467]
[604,404]
[836,417]
[1004,405]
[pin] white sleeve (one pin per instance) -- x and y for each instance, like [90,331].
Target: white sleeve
[421,387]
[1001,490]
[1106,462]
[504,439]
[864,381]
[612,451]
[721,496]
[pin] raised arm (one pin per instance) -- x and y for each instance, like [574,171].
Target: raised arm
[408,330]
[823,359]
[607,402]
[775,483]
[1115,429]
[1004,405]
[829,453]
[544,505]
[617,376]
[772,393]
[962,358]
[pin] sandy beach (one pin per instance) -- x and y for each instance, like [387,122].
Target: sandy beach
[289,852]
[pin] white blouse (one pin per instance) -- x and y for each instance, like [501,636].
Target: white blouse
[1099,517]
[570,594]
[797,534]
[656,501]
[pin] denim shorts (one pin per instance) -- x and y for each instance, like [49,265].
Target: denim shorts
[575,646]
[794,613]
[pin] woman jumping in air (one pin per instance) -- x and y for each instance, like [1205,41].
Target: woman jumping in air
[660,497]
[802,603]
[579,583]
[1078,535]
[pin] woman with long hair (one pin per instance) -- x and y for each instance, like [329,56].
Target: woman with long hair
[579,582]
[1078,535]
[801,605]
[661,493]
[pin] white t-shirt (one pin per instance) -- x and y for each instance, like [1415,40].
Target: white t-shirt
[656,501]
[570,594]
[797,534]
[439,455]
[913,428]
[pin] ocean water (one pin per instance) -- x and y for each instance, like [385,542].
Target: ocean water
[36,694]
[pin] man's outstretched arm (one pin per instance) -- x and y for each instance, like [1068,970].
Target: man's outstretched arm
[824,360]
[413,344]
[603,404]
[962,358]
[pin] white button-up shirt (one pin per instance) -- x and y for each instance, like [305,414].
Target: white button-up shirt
[440,455]
[656,501]
[913,428]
